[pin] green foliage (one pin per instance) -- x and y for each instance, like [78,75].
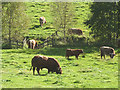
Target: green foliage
[14,22]
[63,14]
[104,22]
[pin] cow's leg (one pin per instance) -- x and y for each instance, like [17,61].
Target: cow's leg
[41,24]
[67,57]
[76,56]
[33,70]
[29,44]
[32,45]
[101,56]
[38,71]
[48,70]
[36,44]
[104,56]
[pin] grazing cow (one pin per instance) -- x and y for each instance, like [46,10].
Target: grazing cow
[45,62]
[107,51]
[119,43]
[75,31]
[73,52]
[42,20]
[32,44]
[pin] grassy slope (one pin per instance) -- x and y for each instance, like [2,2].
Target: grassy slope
[35,10]
[88,72]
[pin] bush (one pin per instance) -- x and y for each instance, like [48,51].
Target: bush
[6,46]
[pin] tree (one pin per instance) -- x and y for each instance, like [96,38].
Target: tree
[104,22]
[14,22]
[63,13]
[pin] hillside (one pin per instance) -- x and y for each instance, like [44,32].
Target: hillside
[37,9]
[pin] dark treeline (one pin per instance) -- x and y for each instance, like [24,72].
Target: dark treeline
[104,22]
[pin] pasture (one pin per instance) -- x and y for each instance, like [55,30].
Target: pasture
[86,72]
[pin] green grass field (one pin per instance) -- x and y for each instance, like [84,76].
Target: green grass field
[88,72]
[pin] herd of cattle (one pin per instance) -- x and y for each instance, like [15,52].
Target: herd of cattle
[52,64]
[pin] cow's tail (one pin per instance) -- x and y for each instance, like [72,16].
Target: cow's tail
[30,68]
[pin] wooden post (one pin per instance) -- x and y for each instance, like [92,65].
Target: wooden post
[17,44]
[52,40]
[56,33]
[47,41]
[22,45]
[87,41]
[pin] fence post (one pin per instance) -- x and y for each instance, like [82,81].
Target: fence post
[17,44]
[56,33]
[47,42]
[87,41]
[53,40]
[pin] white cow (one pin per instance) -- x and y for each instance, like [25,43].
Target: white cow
[32,44]
[42,20]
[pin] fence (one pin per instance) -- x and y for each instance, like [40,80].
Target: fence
[49,41]
[17,44]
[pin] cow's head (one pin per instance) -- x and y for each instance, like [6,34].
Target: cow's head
[81,51]
[59,70]
[112,55]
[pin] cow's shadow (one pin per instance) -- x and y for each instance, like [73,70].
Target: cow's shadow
[69,59]
[35,26]
[45,74]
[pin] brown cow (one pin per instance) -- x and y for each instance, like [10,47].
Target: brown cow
[45,62]
[73,52]
[107,51]
[32,44]
[75,31]
[42,20]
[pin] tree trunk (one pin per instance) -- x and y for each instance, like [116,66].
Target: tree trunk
[10,31]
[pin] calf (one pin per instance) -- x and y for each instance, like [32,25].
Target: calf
[107,51]
[45,62]
[73,52]
[75,31]
[42,20]
[32,44]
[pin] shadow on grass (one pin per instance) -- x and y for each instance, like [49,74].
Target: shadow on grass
[61,50]
[53,51]
[69,59]
[41,74]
